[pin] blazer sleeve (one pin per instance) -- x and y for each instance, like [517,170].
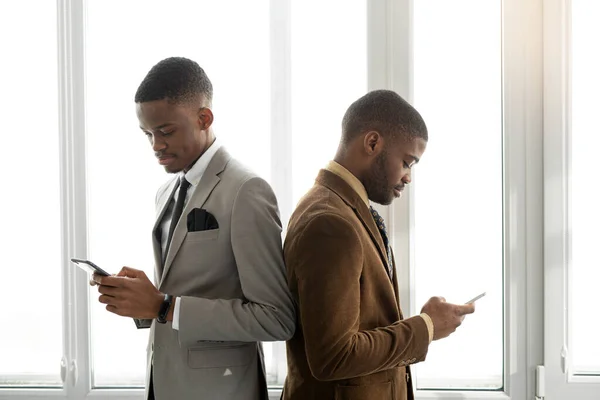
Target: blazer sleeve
[267,313]
[327,259]
[147,323]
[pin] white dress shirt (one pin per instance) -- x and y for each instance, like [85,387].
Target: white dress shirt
[193,176]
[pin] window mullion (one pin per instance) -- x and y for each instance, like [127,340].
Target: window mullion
[73,194]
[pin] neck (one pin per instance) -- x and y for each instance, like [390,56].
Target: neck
[210,140]
[347,163]
[210,136]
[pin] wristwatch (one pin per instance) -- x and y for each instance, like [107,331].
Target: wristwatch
[164,309]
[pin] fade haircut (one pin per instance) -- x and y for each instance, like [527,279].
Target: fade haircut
[386,112]
[178,80]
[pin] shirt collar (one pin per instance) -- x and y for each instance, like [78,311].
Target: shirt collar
[350,179]
[195,173]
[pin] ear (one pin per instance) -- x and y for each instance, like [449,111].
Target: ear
[205,118]
[373,143]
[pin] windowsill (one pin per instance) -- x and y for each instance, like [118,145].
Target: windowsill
[274,394]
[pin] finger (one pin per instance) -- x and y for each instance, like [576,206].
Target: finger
[92,282]
[113,309]
[97,278]
[442,299]
[114,281]
[435,299]
[109,290]
[132,272]
[465,309]
[104,299]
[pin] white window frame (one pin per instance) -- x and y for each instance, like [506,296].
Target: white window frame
[281,136]
[562,383]
[535,135]
[523,189]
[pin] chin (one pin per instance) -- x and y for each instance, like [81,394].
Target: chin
[172,169]
[384,201]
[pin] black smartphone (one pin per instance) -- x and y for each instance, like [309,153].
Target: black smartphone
[89,267]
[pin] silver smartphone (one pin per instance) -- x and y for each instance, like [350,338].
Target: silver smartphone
[89,267]
[474,299]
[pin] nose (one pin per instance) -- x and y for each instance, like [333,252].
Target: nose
[406,178]
[157,143]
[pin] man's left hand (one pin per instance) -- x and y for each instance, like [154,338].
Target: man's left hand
[129,294]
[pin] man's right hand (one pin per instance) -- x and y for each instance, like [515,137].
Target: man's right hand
[446,317]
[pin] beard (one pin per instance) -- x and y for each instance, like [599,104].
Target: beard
[377,183]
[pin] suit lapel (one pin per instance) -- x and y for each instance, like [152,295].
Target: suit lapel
[396,290]
[208,182]
[156,233]
[339,186]
[364,214]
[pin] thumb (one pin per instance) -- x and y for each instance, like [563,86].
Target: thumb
[466,309]
[130,272]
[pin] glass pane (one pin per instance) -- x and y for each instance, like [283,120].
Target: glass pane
[30,347]
[324,83]
[585,213]
[458,233]
[329,72]
[123,175]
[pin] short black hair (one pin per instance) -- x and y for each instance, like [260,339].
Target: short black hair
[386,112]
[177,79]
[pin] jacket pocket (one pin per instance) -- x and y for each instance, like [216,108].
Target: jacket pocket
[200,236]
[221,356]
[382,390]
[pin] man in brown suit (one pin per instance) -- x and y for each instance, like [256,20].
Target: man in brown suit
[352,341]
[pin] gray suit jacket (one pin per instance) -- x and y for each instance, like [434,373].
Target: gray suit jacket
[232,286]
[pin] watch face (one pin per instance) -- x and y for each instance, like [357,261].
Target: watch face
[164,309]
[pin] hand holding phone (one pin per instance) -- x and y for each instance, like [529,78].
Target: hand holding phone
[89,267]
[474,299]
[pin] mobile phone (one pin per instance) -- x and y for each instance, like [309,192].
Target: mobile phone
[474,299]
[89,267]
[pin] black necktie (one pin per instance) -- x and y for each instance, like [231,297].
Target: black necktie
[381,226]
[183,187]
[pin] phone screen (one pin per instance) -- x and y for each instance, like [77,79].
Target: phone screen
[475,298]
[89,267]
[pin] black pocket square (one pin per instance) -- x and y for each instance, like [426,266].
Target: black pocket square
[201,220]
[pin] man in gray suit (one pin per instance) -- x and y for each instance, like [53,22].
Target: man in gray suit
[220,286]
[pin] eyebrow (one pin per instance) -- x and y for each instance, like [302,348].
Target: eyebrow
[159,126]
[416,159]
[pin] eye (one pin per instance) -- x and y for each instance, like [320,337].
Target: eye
[167,134]
[406,165]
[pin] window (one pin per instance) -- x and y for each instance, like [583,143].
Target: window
[585,213]
[329,72]
[31,334]
[570,98]
[501,201]
[323,84]
[458,186]
[121,199]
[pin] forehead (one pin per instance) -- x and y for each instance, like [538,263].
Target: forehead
[414,147]
[154,113]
